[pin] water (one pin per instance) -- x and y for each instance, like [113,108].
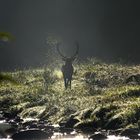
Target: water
[69,137]
[84,137]
[59,136]
[80,137]
[76,136]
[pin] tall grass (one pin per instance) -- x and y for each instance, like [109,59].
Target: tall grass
[40,92]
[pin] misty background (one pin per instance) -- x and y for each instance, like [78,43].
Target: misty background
[106,29]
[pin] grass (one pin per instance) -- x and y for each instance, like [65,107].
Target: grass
[97,88]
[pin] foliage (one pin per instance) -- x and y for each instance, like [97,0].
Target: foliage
[6,36]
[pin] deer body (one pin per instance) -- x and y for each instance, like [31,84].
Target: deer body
[67,69]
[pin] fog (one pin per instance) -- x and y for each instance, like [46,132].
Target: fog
[105,29]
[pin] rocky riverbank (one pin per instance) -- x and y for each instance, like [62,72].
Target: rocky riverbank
[19,129]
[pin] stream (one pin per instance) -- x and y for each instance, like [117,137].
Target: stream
[63,136]
[84,137]
[79,137]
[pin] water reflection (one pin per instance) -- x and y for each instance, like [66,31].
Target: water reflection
[113,137]
[81,137]
[58,136]
[69,137]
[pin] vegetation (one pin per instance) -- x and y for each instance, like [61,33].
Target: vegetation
[6,36]
[102,94]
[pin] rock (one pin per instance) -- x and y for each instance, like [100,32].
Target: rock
[133,79]
[12,114]
[136,137]
[27,124]
[15,120]
[100,112]
[100,115]
[30,134]
[7,129]
[130,132]
[86,127]
[4,126]
[10,131]
[86,114]
[2,135]
[114,123]
[9,116]
[32,126]
[43,121]
[65,130]
[115,132]
[68,125]
[62,123]
[98,136]
[133,93]
[49,128]
[71,122]
[18,119]
[1,116]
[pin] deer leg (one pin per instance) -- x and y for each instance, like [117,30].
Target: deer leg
[70,84]
[65,83]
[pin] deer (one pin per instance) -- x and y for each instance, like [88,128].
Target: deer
[67,69]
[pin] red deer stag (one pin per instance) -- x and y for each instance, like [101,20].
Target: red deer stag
[67,69]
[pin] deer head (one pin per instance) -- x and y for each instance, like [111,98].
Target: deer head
[69,59]
[67,68]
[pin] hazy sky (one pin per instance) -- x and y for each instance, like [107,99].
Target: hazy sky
[107,29]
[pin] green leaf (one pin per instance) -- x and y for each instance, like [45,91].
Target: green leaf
[6,36]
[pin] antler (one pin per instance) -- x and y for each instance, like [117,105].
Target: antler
[77,50]
[63,57]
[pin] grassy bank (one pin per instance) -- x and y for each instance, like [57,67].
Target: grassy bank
[102,94]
